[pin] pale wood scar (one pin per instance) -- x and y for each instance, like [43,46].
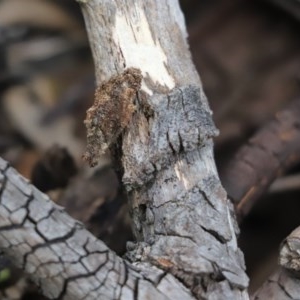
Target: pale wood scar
[111,112]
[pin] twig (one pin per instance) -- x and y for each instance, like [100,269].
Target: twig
[266,156]
[286,183]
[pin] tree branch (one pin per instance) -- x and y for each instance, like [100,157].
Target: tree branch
[268,154]
[62,257]
[185,227]
[182,218]
[281,285]
[290,252]
[285,283]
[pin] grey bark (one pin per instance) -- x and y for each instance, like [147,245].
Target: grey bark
[280,286]
[290,252]
[184,224]
[62,257]
[285,283]
[182,218]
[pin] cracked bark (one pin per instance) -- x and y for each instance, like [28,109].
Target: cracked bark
[182,219]
[184,224]
[285,283]
[282,285]
[290,252]
[62,257]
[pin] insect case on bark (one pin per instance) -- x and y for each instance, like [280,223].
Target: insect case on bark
[110,113]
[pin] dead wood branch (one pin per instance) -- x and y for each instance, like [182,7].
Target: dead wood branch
[285,283]
[266,156]
[62,257]
[184,224]
[290,253]
[182,219]
[281,285]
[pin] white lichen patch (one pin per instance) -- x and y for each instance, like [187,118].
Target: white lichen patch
[139,49]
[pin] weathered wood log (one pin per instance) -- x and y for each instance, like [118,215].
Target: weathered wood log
[62,257]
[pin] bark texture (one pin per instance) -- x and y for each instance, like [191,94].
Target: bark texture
[182,218]
[285,283]
[290,252]
[63,258]
[280,286]
[184,224]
